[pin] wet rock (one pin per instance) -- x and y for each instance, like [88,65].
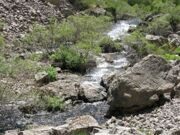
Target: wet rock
[140,86]
[42,77]
[107,80]
[109,58]
[91,92]
[131,29]
[91,64]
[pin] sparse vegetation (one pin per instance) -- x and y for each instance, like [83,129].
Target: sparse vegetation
[52,103]
[52,73]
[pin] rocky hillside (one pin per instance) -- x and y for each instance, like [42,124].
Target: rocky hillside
[89,67]
[19,15]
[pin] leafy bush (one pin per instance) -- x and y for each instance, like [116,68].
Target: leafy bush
[108,45]
[159,26]
[171,57]
[52,73]
[52,103]
[40,101]
[70,59]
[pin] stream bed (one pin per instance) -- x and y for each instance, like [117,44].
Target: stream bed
[98,109]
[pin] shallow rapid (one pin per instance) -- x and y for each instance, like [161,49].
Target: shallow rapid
[118,60]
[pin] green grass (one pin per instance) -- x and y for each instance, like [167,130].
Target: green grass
[53,103]
[52,73]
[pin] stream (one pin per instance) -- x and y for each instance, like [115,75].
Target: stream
[98,109]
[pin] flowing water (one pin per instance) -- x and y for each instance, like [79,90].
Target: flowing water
[99,109]
[117,32]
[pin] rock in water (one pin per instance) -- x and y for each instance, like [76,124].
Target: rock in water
[140,86]
[91,92]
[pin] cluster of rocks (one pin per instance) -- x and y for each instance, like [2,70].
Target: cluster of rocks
[19,15]
[140,86]
[172,39]
[145,84]
[88,125]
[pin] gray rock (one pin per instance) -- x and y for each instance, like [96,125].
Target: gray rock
[44,130]
[177,91]
[92,92]
[140,86]
[41,77]
[107,80]
[66,87]
[75,125]
[156,39]
[174,73]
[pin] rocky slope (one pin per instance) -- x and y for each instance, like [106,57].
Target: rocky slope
[19,15]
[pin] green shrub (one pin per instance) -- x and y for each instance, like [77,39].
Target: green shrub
[88,47]
[40,101]
[53,103]
[177,51]
[52,73]
[75,29]
[143,47]
[159,26]
[174,17]
[171,57]
[108,45]
[70,59]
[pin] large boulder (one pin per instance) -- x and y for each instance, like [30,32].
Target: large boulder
[67,86]
[140,86]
